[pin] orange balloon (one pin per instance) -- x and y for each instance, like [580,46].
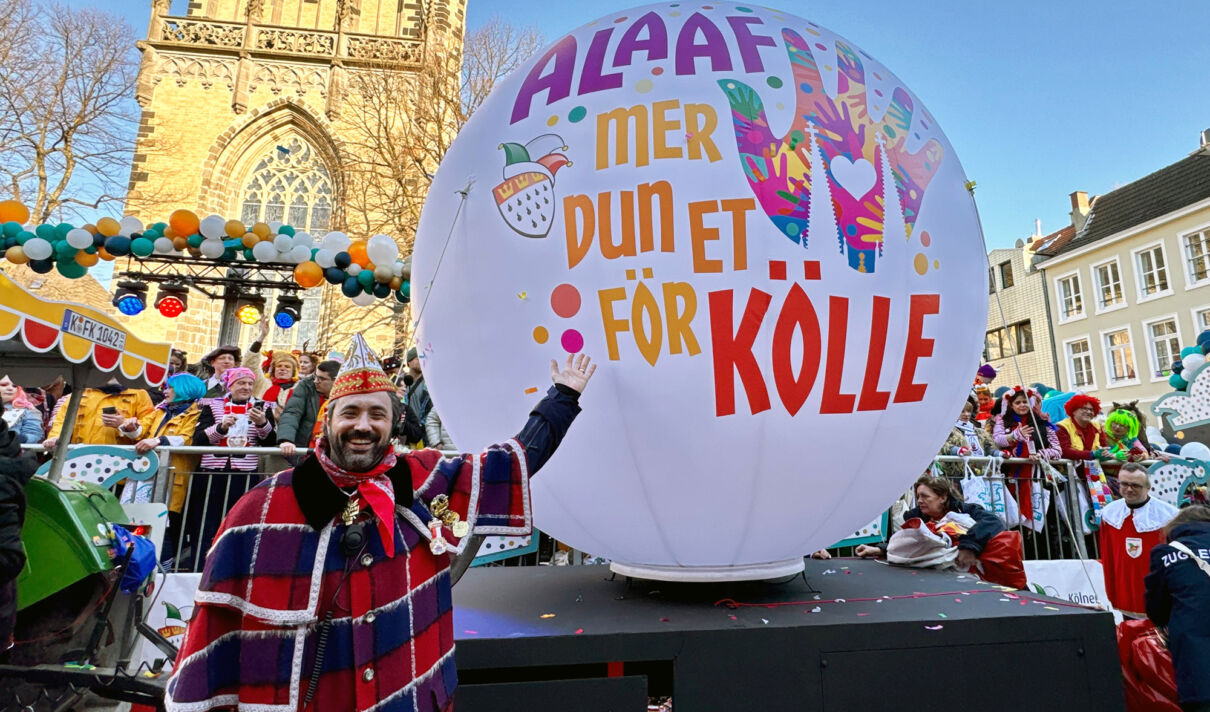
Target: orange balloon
[184,222]
[357,250]
[13,211]
[170,233]
[249,239]
[108,227]
[90,227]
[396,282]
[180,243]
[86,260]
[104,254]
[16,255]
[234,228]
[262,230]
[308,274]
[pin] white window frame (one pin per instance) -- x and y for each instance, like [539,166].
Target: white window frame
[1151,351]
[1083,313]
[1108,361]
[1071,371]
[1197,327]
[1096,284]
[1191,282]
[1138,272]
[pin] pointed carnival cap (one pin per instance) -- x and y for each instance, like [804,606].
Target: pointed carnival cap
[360,372]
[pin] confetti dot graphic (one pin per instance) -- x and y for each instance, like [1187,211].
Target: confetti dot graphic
[936,264]
[774,82]
[565,301]
[577,114]
[572,341]
[552,121]
[925,238]
[644,85]
[921,263]
[541,335]
[657,71]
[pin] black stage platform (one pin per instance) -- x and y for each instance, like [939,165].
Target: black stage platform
[870,637]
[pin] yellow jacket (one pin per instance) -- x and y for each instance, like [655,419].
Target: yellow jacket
[130,403]
[178,431]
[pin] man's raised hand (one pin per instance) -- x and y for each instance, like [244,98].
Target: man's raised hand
[576,372]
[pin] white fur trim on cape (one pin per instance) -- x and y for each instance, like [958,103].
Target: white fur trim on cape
[1151,516]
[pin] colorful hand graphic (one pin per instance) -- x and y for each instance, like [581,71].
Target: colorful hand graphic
[779,170]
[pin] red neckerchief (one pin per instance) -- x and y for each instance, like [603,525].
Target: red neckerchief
[373,487]
[273,391]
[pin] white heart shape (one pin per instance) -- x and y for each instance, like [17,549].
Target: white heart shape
[857,177]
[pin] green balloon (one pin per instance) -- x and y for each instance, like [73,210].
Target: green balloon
[64,251]
[159,227]
[141,247]
[11,229]
[62,229]
[25,236]
[195,240]
[248,254]
[406,288]
[229,254]
[286,230]
[91,249]
[71,269]
[46,232]
[366,279]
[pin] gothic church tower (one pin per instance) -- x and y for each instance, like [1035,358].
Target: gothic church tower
[242,116]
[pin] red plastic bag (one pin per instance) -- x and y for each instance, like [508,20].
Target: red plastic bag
[1001,560]
[1147,672]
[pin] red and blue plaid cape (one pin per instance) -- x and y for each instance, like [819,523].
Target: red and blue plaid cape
[271,577]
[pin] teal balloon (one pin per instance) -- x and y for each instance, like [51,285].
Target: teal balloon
[11,229]
[381,289]
[1189,351]
[286,230]
[366,279]
[25,236]
[335,275]
[91,250]
[248,254]
[1177,382]
[351,287]
[194,240]
[71,269]
[229,254]
[406,288]
[159,227]
[314,251]
[152,234]
[64,251]
[401,297]
[46,232]
[141,247]
[117,245]
[62,229]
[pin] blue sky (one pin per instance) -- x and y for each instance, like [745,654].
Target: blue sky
[1039,98]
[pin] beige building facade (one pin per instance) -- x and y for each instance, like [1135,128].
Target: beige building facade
[1018,341]
[247,114]
[1131,286]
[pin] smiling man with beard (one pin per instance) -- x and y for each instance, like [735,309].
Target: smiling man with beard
[327,587]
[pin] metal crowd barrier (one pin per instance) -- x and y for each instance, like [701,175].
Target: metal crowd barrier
[1061,534]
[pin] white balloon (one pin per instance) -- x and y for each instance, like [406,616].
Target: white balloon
[264,252]
[213,227]
[336,241]
[129,225]
[382,250]
[212,249]
[1192,362]
[164,246]
[305,239]
[397,268]
[354,269]
[37,248]
[275,226]
[1156,438]
[78,238]
[300,254]
[807,312]
[283,243]
[1195,451]
[325,258]
[364,300]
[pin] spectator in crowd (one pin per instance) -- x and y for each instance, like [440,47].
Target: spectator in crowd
[1153,452]
[1022,430]
[178,362]
[965,440]
[301,420]
[52,395]
[984,400]
[1122,442]
[390,366]
[281,375]
[1130,528]
[435,434]
[935,497]
[219,360]
[307,363]
[408,427]
[1080,438]
[418,392]
[985,375]
[236,420]
[173,422]
[108,415]
[1178,596]
[15,470]
[22,416]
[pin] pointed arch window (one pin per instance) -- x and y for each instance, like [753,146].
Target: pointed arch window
[291,184]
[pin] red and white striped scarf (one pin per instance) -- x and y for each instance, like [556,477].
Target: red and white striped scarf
[374,489]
